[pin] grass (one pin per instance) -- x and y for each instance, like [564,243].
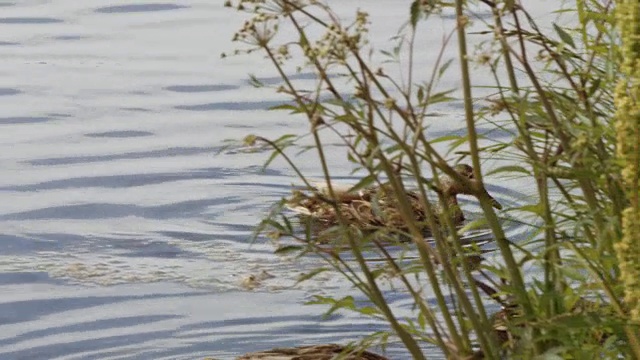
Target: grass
[567,98]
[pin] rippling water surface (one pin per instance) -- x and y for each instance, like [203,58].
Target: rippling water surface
[125,223]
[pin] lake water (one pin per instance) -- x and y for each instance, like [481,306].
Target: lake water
[125,224]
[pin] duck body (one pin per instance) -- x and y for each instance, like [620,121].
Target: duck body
[312,352]
[377,207]
[367,210]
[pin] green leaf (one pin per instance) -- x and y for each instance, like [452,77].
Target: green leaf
[566,38]
[573,273]
[536,209]
[595,86]
[255,82]
[440,97]
[311,274]
[444,68]
[480,223]
[273,156]
[365,182]
[461,140]
[348,118]
[369,310]
[444,139]
[422,320]
[304,42]
[415,13]
[282,140]
[346,302]
[250,140]
[420,94]
[287,249]
[287,223]
[294,109]
[509,169]
[270,223]
[320,300]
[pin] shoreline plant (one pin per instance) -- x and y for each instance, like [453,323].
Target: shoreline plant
[566,97]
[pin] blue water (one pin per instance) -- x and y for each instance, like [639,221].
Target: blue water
[125,218]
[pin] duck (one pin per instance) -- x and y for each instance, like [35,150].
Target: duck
[376,207]
[313,352]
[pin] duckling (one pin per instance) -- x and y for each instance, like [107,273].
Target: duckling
[313,352]
[376,207]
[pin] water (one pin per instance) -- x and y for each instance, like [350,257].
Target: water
[125,222]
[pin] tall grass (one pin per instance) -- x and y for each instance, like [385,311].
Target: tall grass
[567,97]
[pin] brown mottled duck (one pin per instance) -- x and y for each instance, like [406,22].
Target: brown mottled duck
[376,207]
[313,352]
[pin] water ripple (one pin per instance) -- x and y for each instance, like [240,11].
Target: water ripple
[9,91]
[235,106]
[135,8]
[23,120]
[184,209]
[200,88]
[170,152]
[120,134]
[30,20]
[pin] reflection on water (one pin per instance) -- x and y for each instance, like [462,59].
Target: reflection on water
[126,222]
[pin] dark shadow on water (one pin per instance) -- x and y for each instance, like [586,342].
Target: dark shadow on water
[21,278]
[34,243]
[236,106]
[154,249]
[181,210]
[51,351]
[242,231]
[134,180]
[199,88]
[30,20]
[23,120]
[60,243]
[29,310]
[136,8]
[9,91]
[186,235]
[94,325]
[69,37]
[111,181]
[59,115]
[135,109]
[227,334]
[170,152]
[298,76]
[285,188]
[119,134]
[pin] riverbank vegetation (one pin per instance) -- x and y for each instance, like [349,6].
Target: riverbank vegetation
[565,101]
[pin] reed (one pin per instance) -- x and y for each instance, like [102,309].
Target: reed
[567,99]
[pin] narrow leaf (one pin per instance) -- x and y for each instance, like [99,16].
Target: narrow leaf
[365,182]
[294,109]
[283,250]
[566,38]
[415,13]
[444,68]
[311,274]
[509,169]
